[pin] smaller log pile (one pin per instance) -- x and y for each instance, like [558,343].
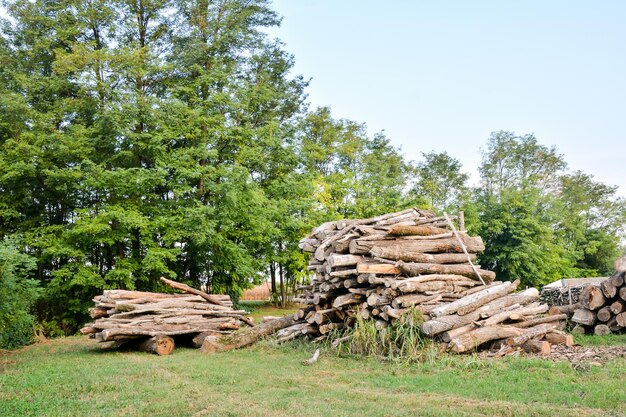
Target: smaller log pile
[381,268]
[150,321]
[496,314]
[601,308]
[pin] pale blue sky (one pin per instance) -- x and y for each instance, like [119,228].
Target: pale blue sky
[442,75]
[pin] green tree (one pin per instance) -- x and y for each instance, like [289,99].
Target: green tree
[18,294]
[440,182]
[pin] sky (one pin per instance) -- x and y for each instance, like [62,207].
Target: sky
[443,75]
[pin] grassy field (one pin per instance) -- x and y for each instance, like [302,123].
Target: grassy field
[72,377]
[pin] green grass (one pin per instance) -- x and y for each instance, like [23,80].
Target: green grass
[258,309]
[608,340]
[72,377]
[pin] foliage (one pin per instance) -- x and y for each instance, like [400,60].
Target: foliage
[401,341]
[17,295]
[171,138]
[439,181]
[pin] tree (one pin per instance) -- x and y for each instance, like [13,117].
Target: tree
[440,182]
[516,213]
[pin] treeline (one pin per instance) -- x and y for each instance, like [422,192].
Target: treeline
[143,138]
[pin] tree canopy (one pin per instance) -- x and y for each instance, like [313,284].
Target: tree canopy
[142,138]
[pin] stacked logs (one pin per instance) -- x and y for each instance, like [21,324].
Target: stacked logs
[601,308]
[381,268]
[496,314]
[150,321]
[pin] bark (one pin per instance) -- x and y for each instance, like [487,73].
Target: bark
[608,289]
[531,333]
[472,302]
[160,344]
[604,314]
[566,309]
[592,298]
[584,316]
[475,338]
[559,338]
[366,268]
[413,269]
[617,307]
[601,330]
[337,260]
[183,287]
[540,320]
[473,245]
[246,336]
[417,231]
[540,347]
[400,253]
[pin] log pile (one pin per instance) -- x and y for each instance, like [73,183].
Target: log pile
[601,308]
[151,321]
[381,268]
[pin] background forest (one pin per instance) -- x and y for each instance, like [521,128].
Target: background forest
[142,138]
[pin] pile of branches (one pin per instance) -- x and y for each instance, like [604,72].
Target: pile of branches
[151,321]
[601,309]
[381,268]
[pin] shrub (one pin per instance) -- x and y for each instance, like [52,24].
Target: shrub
[17,295]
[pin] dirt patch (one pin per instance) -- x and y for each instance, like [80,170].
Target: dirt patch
[585,356]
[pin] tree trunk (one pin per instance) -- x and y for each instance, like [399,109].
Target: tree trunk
[414,269]
[475,338]
[183,287]
[472,302]
[473,245]
[584,316]
[592,298]
[246,336]
[161,345]
[399,253]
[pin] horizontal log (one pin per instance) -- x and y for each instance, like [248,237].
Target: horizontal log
[369,268]
[417,231]
[413,269]
[584,316]
[472,339]
[472,302]
[400,253]
[473,245]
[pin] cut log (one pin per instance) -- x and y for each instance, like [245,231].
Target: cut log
[540,320]
[399,253]
[601,330]
[417,231]
[414,269]
[477,337]
[246,336]
[347,299]
[472,302]
[559,338]
[367,268]
[617,306]
[592,298]
[336,260]
[621,319]
[161,345]
[622,293]
[584,317]
[473,245]
[540,347]
[617,280]
[604,314]
[183,287]
[578,329]
[608,289]
[530,333]
[566,309]
[445,323]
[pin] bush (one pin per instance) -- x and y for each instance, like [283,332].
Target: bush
[401,341]
[17,295]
